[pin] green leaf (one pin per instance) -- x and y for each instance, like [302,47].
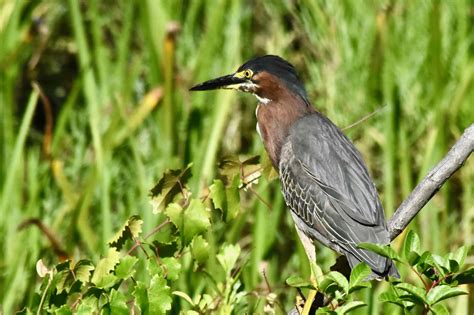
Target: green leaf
[107,281]
[350,306]
[196,220]
[442,292]
[416,295]
[66,277]
[200,249]
[391,297]
[83,269]
[64,266]
[228,256]
[465,277]
[382,250]
[268,170]
[175,213]
[411,247]
[358,278]
[84,309]
[135,225]
[426,265]
[456,259]
[453,266]
[317,271]
[87,306]
[459,255]
[412,243]
[325,283]
[125,268]
[63,310]
[118,303]
[325,310]
[231,167]
[153,267]
[339,279]
[159,296]
[298,282]
[233,200]
[439,309]
[170,267]
[171,184]
[130,230]
[141,297]
[190,221]
[226,199]
[205,301]
[166,236]
[360,286]
[101,276]
[184,296]
[333,283]
[217,193]
[64,280]
[426,258]
[441,264]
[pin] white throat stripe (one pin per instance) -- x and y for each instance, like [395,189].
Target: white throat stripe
[262,100]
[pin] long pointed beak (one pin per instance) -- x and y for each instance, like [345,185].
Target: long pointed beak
[225,82]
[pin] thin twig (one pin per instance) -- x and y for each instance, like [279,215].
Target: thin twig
[156,229]
[269,206]
[364,118]
[137,243]
[55,243]
[43,296]
[264,273]
[425,190]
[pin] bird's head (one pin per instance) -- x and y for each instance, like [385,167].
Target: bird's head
[264,77]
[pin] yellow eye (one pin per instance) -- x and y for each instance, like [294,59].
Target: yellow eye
[248,74]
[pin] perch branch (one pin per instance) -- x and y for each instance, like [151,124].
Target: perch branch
[422,193]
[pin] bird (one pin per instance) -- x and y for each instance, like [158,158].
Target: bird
[324,179]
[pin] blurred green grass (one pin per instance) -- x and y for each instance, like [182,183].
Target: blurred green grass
[117,74]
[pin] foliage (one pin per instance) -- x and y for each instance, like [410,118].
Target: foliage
[113,285]
[438,280]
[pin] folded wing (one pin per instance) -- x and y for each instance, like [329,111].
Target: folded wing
[326,184]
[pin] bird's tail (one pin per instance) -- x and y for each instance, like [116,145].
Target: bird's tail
[390,271]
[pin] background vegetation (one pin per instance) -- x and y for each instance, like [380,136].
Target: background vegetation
[79,158]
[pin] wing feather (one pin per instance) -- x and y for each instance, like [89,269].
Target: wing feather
[326,184]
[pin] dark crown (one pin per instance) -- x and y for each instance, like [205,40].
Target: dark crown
[280,68]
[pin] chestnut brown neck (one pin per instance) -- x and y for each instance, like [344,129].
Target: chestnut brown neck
[277,116]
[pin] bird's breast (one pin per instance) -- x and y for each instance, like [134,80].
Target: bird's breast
[273,129]
[275,119]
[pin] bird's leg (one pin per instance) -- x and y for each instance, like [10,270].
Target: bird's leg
[316,299]
[307,244]
[311,253]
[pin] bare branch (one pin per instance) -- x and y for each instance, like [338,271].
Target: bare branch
[422,193]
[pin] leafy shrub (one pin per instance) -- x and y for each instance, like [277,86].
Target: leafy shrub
[143,272]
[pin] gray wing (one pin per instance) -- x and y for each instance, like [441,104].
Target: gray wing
[326,184]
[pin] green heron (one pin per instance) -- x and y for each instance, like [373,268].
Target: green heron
[324,179]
